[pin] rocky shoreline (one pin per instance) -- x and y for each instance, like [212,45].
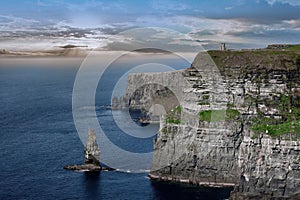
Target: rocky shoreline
[188,181]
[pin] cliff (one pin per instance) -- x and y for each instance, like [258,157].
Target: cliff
[233,121]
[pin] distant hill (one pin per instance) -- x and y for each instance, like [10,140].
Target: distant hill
[152,50]
[70,46]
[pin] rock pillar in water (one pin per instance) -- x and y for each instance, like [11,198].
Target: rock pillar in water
[91,149]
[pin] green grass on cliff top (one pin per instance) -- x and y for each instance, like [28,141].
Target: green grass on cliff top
[294,48]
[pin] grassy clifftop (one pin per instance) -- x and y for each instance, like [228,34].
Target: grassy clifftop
[249,60]
[294,48]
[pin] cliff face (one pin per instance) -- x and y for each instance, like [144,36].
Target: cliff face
[268,156]
[270,169]
[235,123]
[145,90]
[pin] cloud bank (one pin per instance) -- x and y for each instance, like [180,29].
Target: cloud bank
[242,23]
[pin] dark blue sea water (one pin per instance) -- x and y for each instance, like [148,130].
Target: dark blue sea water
[38,137]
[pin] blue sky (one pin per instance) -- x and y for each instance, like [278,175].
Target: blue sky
[256,22]
[119,11]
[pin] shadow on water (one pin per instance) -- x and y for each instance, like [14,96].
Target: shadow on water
[171,191]
[92,184]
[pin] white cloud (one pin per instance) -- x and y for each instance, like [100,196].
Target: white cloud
[291,2]
[195,30]
[226,30]
[11,23]
[169,5]
[228,8]
[294,22]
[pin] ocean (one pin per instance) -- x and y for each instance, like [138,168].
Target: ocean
[38,137]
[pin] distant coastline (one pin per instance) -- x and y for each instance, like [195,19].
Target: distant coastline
[65,51]
[80,51]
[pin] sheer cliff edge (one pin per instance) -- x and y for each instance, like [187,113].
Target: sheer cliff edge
[230,120]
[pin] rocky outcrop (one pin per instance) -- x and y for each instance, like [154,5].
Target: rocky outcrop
[119,103]
[91,156]
[88,168]
[236,123]
[91,149]
[84,167]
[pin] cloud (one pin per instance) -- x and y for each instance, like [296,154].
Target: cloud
[241,31]
[295,24]
[235,21]
[169,5]
[11,23]
[291,2]
[43,3]
[228,8]
[161,38]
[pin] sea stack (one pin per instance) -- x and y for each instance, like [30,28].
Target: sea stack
[91,149]
[91,156]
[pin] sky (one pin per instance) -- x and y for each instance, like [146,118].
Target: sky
[240,23]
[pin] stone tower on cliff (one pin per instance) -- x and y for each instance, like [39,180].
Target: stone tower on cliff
[223,47]
[91,149]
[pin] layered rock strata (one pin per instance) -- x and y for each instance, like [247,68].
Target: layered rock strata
[234,122]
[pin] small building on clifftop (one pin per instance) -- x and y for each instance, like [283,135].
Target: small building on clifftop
[223,47]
